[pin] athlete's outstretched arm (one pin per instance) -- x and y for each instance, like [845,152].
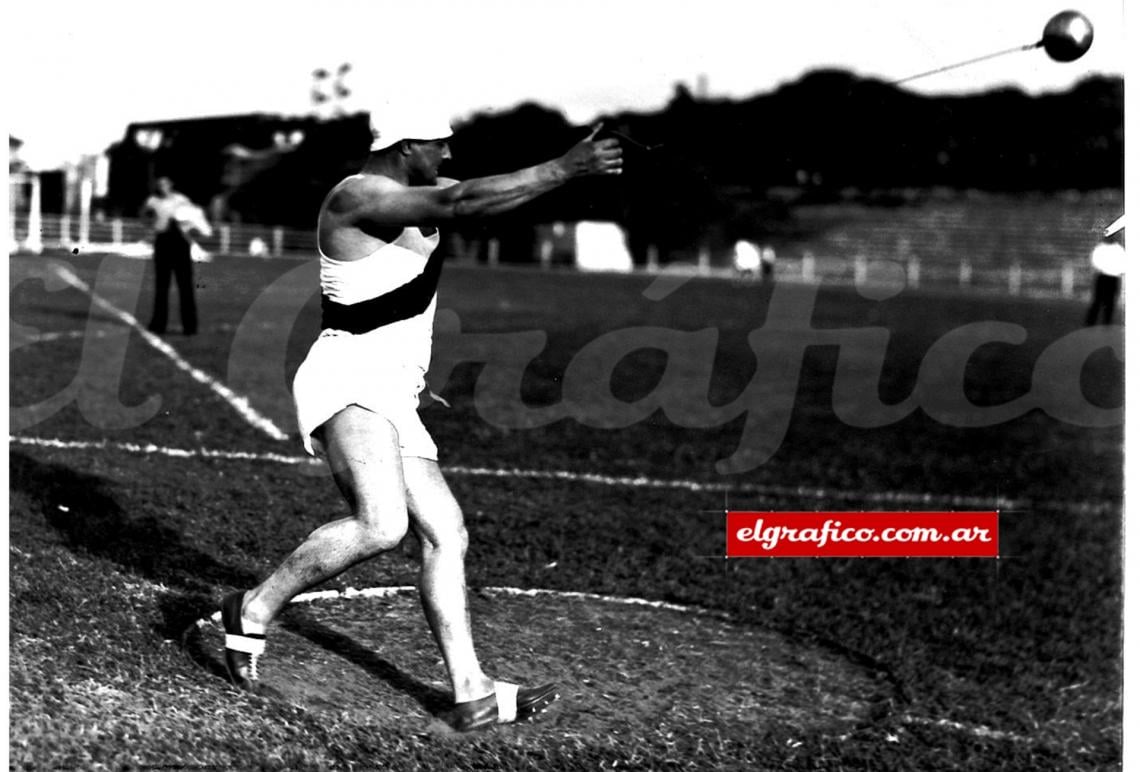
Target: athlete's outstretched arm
[386,204]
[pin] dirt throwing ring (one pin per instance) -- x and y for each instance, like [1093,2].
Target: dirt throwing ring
[628,664]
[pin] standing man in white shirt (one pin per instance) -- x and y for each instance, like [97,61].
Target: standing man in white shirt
[1108,266]
[167,210]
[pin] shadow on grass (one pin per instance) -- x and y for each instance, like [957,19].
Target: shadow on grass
[83,510]
[298,622]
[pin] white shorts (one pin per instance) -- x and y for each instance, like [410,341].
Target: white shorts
[341,370]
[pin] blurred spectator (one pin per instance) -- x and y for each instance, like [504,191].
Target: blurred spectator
[173,217]
[752,262]
[258,247]
[767,263]
[746,259]
[1108,267]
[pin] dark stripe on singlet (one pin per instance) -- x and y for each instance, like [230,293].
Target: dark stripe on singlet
[404,302]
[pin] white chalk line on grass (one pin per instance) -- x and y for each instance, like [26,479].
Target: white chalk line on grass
[879,498]
[974,730]
[84,334]
[238,403]
[984,732]
[152,449]
[351,593]
[47,337]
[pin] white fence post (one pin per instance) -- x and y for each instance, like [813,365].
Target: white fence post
[35,241]
[493,251]
[85,194]
[807,266]
[1015,278]
[860,270]
[1067,279]
[224,239]
[545,252]
[652,260]
[703,260]
[913,272]
[14,181]
[278,240]
[116,231]
[965,272]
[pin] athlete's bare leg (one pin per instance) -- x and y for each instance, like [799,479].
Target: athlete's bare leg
[438,521]
[364,454]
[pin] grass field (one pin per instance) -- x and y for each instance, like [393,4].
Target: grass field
[139,495]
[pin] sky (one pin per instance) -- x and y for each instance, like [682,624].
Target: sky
[79,72]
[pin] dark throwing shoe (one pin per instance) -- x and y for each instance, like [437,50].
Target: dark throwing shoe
[242,650]
[506,705]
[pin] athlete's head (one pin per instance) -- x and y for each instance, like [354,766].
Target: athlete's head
[423,158]
[419,134]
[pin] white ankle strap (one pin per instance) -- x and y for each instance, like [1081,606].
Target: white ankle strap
[245,644]
[507,696]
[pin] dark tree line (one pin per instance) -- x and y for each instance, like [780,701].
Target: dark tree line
[696,170]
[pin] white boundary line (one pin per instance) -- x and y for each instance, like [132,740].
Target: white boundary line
[518,592]
[240,404]
[911,499]
[152,449]
[48,337]
[351,593]
[83,334]
[971,729]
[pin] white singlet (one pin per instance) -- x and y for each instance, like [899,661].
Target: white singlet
[381,370]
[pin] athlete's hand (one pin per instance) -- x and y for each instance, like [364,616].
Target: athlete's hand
[593,156]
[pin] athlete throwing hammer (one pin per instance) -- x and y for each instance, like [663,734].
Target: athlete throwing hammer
[358,390]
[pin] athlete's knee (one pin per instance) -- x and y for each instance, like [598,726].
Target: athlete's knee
[383,530]
[381,537]
[450,539]
[458,538]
